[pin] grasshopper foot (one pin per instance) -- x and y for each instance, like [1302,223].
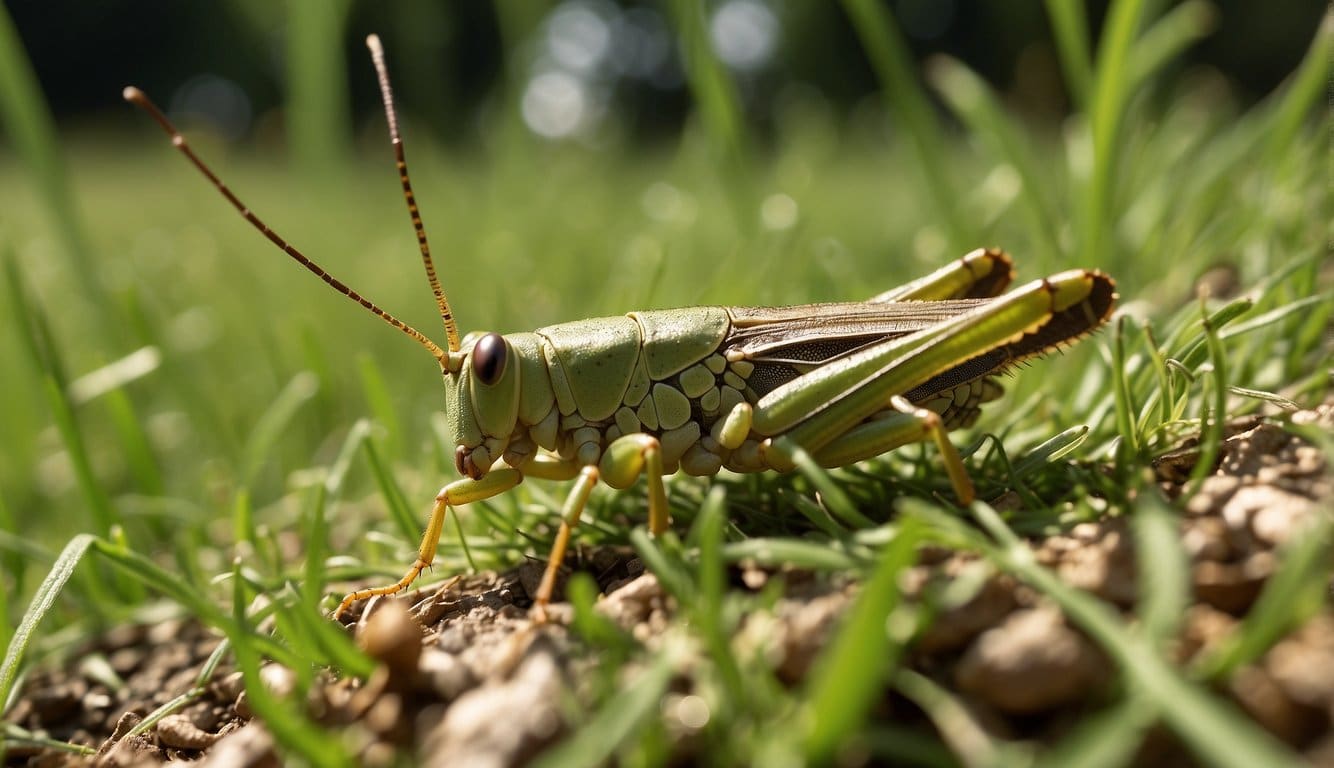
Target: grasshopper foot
[394,588]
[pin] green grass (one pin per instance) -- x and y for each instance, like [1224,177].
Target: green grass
[272,413]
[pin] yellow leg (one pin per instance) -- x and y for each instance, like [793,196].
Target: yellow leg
[622,463]
[569,518]
[625,460]
[459,492]
[911,425]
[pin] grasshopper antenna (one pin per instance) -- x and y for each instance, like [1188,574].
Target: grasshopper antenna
[141,100]
[387,93]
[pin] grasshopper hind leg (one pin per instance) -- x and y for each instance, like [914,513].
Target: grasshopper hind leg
[904,423]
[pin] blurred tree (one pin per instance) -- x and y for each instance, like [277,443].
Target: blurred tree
[453,59]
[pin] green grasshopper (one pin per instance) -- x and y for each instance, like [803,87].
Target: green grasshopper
[700,389]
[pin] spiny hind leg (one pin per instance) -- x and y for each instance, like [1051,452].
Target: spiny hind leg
[905,423]
[496,482]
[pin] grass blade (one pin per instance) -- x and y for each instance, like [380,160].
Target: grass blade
[399,510]
[1106,115]
[854,668]
[274,422]
[1108,739]
[27,119]
[821,556]
[719,106]
[888,52]
[973,100]
[1071,27]
[1164,569]
[831,494]
[597,740]
[317,105]
[1177,30]
[967,739]
[41,603]
[1213,729]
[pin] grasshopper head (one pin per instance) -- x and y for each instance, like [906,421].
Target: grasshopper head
[482,401]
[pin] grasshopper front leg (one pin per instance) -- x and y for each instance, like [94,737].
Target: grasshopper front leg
[621,464]
[456,493]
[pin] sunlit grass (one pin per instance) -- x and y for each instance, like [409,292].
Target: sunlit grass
[279,441]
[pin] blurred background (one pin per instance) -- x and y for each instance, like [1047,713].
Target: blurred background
[580,69]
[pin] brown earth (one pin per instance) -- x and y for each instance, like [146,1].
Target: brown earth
[467,678]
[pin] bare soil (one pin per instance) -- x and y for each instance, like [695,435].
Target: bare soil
[466,677]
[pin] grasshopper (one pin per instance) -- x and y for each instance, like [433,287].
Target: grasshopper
[700,389]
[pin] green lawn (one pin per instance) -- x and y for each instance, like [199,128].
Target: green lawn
[224,426]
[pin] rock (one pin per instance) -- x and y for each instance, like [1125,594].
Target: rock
[956,626]
[1031,663]
[389,635]
[250,746]
[180,732]
[633,603]
[1100,558]
[1232,587]
[445,674]
[1302,664]
[1264,700]
[505,722]
[1278,515]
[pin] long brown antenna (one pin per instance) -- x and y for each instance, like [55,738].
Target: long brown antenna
[139,99]
[387,93]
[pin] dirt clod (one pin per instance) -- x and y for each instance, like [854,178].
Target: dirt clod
[1030,663]
[391,636]
[502,722]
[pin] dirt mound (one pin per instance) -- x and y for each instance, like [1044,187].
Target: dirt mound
[467,678]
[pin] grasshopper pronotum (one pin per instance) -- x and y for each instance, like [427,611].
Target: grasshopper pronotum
[706,388]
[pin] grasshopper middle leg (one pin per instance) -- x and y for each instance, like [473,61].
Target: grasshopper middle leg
[621,464]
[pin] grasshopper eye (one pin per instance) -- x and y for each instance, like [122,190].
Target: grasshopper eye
[488,358]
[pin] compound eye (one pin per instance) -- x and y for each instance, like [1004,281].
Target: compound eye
[488,358]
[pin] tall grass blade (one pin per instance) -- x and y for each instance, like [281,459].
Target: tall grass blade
[888,52]
[719,106]
[972,99]
[27,119]
[1111,91]
[1214,415]
[855,666]
[968,740]
[1071,29]
[399,509]
[1302,94]
[1177,30]
[615,722]
[1164,569]
[1107,739]
[317,100]
[288,726]
[42,600]
[273,422]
